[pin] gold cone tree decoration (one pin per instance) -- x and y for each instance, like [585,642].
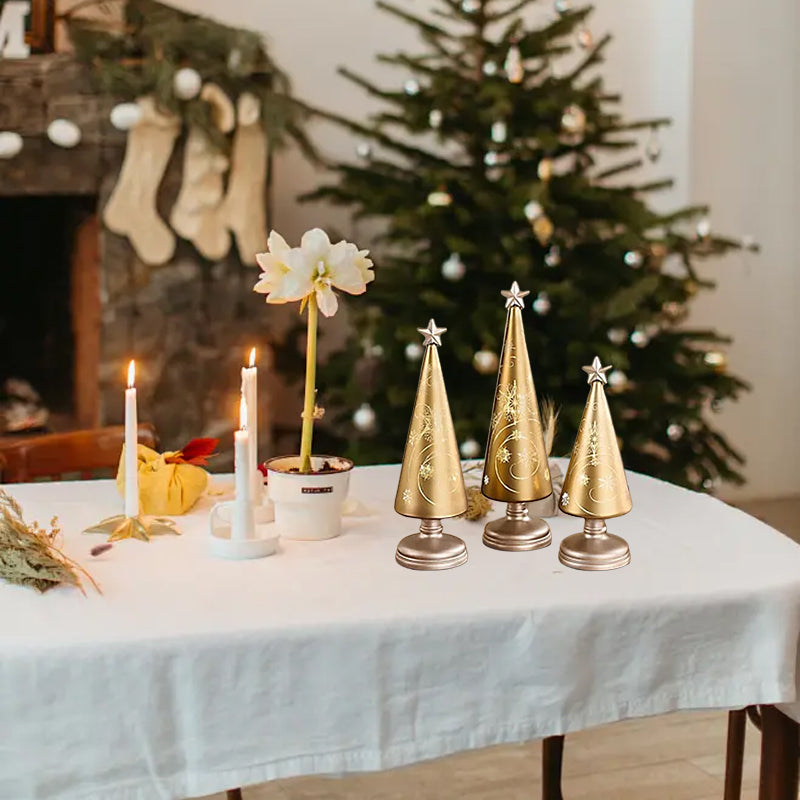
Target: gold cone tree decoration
[431,485]
[595,486]
[515,468]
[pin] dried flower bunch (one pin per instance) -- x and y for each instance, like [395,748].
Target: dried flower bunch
[29,555]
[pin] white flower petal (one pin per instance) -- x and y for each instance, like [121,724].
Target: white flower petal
[326,300]
[343,270]
[277,244]
[315,245]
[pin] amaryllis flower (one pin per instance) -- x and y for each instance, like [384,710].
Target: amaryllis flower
[316,267]
[276,280]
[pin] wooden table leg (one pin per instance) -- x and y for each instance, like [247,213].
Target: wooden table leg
[552,759]
[234,794]
[780,749]
[734,755]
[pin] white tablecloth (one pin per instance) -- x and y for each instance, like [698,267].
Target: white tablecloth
[190,674]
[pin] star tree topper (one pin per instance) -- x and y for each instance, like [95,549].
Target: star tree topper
[432,334]
[596,372]
[514,297]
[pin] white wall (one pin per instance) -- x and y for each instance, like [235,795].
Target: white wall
[745,150]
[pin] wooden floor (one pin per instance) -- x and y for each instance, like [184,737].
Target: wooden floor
[674,757]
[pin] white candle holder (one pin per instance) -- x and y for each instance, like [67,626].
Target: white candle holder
[223,544]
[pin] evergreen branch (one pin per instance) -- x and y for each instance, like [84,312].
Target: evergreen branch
[595,56]
[656,122]
[381,138]
[498,15]
[620,168]
[427,27]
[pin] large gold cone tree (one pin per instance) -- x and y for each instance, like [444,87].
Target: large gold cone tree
[515,468]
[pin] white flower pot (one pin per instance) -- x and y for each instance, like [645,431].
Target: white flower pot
[308,506]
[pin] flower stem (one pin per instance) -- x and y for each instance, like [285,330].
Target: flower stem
[311,380]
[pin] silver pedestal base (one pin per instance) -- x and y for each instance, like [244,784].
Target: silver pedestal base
[517,531]
[594,549]
[431,548]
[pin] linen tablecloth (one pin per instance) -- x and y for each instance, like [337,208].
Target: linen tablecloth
[190,674]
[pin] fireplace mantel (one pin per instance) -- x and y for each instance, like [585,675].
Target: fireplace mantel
[34,92]
[188,323]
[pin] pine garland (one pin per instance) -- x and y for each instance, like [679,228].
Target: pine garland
[138,51]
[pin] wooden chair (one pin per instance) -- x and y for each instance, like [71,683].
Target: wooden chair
[54,455]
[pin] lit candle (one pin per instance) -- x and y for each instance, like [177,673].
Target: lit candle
[243,526]
[250,392]
[131,447]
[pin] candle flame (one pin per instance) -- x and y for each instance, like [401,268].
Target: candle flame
[242,413]
[253,357]
[131,374]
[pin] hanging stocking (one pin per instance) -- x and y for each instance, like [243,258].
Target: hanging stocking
[131,209]
[244,208]
[197,213]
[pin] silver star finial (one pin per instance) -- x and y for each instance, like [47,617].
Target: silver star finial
[514,296]
[432,334]
[596,371]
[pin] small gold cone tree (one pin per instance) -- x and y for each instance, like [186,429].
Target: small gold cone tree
[515,469]
[431,486]
[595,486]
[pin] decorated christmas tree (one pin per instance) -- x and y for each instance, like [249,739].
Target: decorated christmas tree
[501,156]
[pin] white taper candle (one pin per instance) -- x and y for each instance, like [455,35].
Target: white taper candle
[131,446]
[243,526]
[250,392]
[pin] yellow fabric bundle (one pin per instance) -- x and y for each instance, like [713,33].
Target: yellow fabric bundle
[166,488]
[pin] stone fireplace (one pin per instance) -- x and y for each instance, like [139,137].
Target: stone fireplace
[188,323]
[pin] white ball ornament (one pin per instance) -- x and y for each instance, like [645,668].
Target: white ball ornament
[64,133]
[10,144]
[470,449]
[187,83]
[485,362]
[617,379]
[125,116]
[364,417]
[541,305]
[453,268]
[413,351]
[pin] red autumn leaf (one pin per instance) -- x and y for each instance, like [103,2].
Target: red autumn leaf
[196,452]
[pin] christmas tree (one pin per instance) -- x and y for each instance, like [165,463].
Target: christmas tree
[501,156]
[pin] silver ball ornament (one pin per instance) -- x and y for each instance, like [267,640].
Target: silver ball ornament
[469,449]
[541,305]
[639,338]
[453,268]
[485,362]
[617,335]
[364,150]
[552,258]
[364,417]
[489,68]
[411,87]
[499,132]
[617,379]
[533,210]
[634,259]
[413,351]
[675,432]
